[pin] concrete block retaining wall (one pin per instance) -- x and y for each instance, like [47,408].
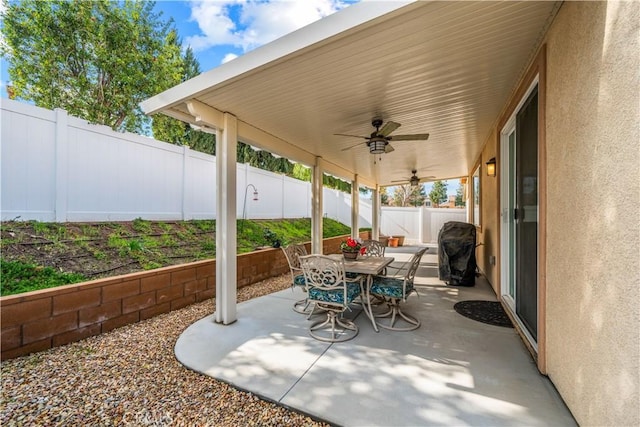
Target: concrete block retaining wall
[39,320]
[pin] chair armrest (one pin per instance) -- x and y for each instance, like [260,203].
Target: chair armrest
[397,269]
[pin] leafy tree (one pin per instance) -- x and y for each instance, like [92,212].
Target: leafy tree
[96,59]
[406,195]
[384,197]
[174,131]
[460,196]
[438,193]
[301,172]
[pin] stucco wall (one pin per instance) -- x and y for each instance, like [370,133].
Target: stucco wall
[593,241]
[488,233]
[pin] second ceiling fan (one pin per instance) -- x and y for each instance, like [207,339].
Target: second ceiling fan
[414,180]
[378,141]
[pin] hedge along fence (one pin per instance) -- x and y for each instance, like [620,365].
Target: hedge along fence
[39,320]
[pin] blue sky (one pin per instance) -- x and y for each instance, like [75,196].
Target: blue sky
[219,31]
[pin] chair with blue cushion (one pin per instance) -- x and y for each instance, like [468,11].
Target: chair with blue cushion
[330,289]
[394,290]
[293,254]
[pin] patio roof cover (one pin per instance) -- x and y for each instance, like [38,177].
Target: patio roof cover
[443,68]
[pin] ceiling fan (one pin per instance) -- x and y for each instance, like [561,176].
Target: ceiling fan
[378,141]
[414,180]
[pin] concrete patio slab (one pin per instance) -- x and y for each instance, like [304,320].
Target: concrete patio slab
[450,371]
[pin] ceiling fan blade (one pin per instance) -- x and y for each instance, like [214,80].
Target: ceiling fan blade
[388,128]
[388,148]
[353,146]
[414,137]
[353,136]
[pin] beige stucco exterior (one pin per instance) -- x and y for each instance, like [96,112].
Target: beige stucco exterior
[590,288]
[593,234]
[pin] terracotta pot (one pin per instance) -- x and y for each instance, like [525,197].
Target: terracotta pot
[393,242]
[400,240]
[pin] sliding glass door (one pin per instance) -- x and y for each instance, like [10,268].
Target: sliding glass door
[519,212]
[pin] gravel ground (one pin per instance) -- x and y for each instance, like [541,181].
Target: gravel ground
[130,376]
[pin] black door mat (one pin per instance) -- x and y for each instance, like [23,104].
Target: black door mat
[490,312]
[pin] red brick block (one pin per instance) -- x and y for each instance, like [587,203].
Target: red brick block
[205,295]
[183,276]
[120,290]
[41,329]
[191,287]
[117,322]
[76,335]
[211,282]
[150,312]
[153,283]
[169,294]
[11,338]
[206,270]
[201,285]
[138,302]
[76,301]
[182,302]
[106,311]
[17,314]
[27,349]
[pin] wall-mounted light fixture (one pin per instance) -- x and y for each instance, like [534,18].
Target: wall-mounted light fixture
[491,167]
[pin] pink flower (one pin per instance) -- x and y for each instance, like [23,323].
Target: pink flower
[363,250]
[351,243]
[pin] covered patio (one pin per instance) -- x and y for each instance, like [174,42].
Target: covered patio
[432,75]
[450,371]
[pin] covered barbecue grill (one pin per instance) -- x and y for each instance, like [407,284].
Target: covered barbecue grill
[457,253]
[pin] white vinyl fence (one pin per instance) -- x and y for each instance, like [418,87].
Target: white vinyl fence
[59,168]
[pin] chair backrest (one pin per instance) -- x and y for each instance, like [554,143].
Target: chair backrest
[374,248]
[293,254]
[414,263]
[323,272]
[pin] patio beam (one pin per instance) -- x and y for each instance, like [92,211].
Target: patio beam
[256,137]
[204,114]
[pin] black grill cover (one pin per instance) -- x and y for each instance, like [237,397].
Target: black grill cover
[457,253]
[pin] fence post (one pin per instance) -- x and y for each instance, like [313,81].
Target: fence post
[185,156]
[62,165]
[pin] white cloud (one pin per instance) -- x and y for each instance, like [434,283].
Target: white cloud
[251,23]
[229,57]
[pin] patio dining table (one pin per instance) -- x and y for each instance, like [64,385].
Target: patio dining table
[368,266]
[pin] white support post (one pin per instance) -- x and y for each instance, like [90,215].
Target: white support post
[375,213]
[316,208]
[355,208]
[226,245]
[62,165]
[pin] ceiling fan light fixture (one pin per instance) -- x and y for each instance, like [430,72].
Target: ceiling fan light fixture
[377,145]
[414,181]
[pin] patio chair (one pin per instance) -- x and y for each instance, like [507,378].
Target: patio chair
[374,248]
[293,253]
[332,291]
[395,289]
